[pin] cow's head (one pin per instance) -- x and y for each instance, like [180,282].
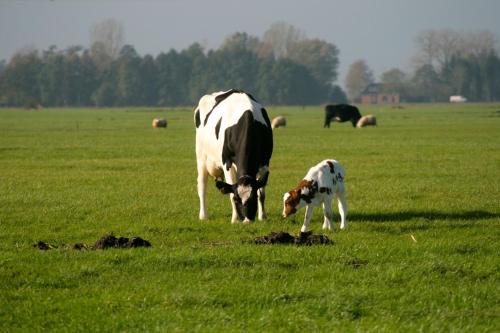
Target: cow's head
[355,118]
[245,194]
[299,197]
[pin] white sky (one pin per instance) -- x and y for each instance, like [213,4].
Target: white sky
[381,32]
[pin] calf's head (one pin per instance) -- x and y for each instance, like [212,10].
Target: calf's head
[299,197]
[245,194]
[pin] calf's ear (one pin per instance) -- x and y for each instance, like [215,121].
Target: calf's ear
[224,188]
[262,180]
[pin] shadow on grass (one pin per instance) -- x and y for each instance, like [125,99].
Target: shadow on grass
[426,215]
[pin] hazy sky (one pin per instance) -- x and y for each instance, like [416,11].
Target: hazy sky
[380,31]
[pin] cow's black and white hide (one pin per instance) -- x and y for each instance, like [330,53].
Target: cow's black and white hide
[322,183]
[234,144]
[341,113]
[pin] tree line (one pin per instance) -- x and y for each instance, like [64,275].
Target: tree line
[281,68]
[447,63]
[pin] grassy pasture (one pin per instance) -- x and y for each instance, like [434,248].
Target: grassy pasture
[73,175]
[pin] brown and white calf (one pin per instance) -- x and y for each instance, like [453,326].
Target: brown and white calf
[321,184]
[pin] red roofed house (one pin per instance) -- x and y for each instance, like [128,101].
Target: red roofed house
[373,95]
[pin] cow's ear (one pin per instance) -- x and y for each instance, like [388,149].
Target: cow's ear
[224,188]
[262,180]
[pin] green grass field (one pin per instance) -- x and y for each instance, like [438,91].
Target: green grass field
[73,175]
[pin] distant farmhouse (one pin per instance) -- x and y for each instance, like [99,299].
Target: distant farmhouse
[374,94]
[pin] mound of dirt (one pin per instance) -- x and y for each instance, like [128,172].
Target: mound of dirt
[304,238]
[78,246]
[308,238]
[43,246]
[121,242]
[275,238]
[104,242]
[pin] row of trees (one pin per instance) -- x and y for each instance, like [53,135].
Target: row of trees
[283,67]
[448,63]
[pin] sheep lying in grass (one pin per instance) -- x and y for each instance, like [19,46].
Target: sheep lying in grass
[159,122]
[320,185]
[368,120]
[279,121]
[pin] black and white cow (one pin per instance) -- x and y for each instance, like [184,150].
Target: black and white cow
[341,113]
[234,142]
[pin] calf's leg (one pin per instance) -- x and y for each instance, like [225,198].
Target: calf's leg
[342,204]
[307,218]
[328,214]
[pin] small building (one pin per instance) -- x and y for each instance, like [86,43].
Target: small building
[373,94]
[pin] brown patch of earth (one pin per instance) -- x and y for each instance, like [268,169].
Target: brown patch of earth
[304,238]
[105,242]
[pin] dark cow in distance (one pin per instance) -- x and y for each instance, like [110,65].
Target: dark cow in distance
[234,143]
[341,113]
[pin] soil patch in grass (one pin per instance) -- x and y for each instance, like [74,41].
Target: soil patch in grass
[304,238]
[105,242]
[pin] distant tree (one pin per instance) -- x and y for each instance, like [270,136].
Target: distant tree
[72,89]
[357,79]
[105,95]
[201,77]
[148,82]
[174,75]
[280,36]
[241,41]
[234,68]
[318,56]
[128,77]
[490,71]
[52,77]
[89,80]
[109,34]
[337,95]
[3,64]
[99,56]
[425,83]
[479,43]
[294,84]
[267,83]
[436,47]
[21,79]
[395,80]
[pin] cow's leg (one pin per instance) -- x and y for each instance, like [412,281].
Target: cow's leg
[327,214]
[342,208]
[230,177]
[202,184]
[262,196]
[307,218]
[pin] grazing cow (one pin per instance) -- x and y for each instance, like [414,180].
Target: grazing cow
[234,141]
[159,122]
[278,121]
[320,185]
[369,120]
[341,113]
